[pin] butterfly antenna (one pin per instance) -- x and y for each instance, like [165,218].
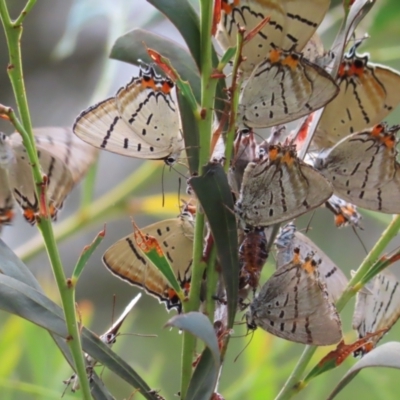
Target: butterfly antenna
[245,347]
[308,227]
[179,190]
[359,238]
[162,187]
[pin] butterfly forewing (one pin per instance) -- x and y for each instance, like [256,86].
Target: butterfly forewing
[283,88]
[367,95]
[379,307]
[141,121]
[175,236]
[280,188]
[291,24]
[289,239]
[363,169]
[293,304]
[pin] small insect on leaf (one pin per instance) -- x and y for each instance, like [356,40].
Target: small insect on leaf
[336,357]
[153,252]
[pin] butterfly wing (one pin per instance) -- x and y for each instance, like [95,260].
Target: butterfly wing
[363,169]
[378,309]
[60,182]
[6,199]
[126,260]
[140,121]
[289,239]
[365,98]
[289,25]
[77,155]
[283,88]
[294,305]
[277,192]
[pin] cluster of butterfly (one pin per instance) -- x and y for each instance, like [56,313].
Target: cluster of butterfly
[352,163]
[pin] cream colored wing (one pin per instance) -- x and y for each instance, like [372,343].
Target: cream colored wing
[283,88]
[289,238]
[291,24]
[280,189]
[294,305]
[175,236]
[141,121]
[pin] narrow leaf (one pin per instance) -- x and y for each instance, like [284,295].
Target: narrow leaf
[213,192]
[200,326]
[86,254]
[26,302]
[387,355]
[204,379]
[131,48]
[153,252]
[186,20]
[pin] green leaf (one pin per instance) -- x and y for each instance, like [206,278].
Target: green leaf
[204,379]
[22,300]
[213,191]
[131,48]
[386,355]
[12,266]
[200,326]
[186,20]
[151,249]
[86,254]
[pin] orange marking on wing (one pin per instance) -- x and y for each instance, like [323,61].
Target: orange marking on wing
[273,153]
[296,256]
[29,215]
[340,220]
[149,83]
[292,61]
[274,56]
[288,158]
[309,266]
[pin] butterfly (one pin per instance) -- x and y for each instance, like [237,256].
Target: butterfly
[64,159]
[126,260]
[289,238]
[345,213]
[291,24]
[140,121]
[279,188]
[377,307]
[294,304]
[367,95]
[109,338]
[363,169]
[282,88]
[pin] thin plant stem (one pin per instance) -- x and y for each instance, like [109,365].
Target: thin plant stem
[13,33]
[208,86]
[294,383]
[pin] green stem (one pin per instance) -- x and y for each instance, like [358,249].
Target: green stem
[208,86]
[293,384]
[13,32]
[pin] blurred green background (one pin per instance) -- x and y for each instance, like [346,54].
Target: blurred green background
[64,52]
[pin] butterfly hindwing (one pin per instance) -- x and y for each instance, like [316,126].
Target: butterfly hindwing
[175,236]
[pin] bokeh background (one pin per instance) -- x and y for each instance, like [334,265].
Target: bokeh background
[65,47]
